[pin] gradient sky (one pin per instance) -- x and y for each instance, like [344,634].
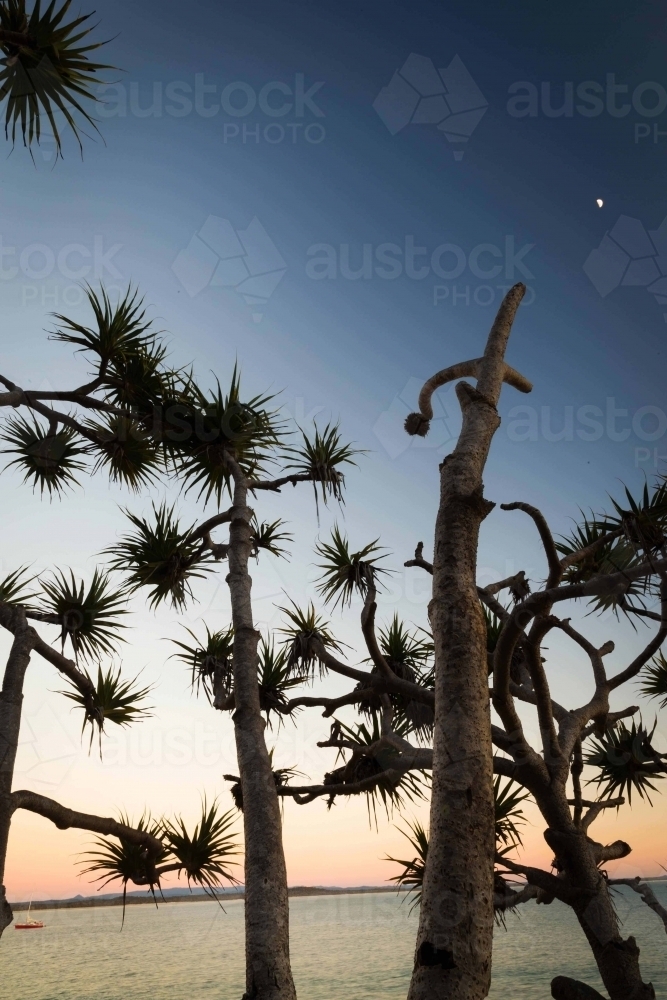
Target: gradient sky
[327,179]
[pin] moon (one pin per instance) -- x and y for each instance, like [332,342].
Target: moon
[599,202]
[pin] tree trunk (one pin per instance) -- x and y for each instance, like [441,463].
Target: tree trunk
[11,700]
[268,972]
[617,959]
[454,941]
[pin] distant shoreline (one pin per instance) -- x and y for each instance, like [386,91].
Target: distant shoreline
[198,897]
[136,899]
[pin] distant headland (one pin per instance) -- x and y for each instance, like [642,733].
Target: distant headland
[196,896]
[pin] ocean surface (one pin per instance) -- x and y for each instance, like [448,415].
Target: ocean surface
[343,948]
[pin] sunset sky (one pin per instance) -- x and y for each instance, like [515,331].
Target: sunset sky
[380,258]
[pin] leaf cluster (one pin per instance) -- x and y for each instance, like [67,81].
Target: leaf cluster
[46,70]
[626,761]
[88,618]
[343,571]
[302,626]
[161,555]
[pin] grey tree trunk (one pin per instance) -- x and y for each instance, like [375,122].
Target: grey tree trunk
[268,972]
[617,959]
[454,941]
[11,701]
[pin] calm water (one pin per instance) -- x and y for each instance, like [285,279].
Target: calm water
[343,947]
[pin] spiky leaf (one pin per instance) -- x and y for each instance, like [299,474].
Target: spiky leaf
[301,627]
[127,861]
[210,662]
[47,70]
[119,330]
[160,555]
[12,588]
[269,537]
[114,700]
[654,679]
[626,761]
[276,679]
[204,855]
[390,792]
[49,459]
[217,427]
[344,572]
[89,618]
[320,458]
[126,452]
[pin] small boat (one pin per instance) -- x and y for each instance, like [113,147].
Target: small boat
[28,924]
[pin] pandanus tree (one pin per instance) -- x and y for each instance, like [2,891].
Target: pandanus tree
[46,71]
[89,619]
[139,420]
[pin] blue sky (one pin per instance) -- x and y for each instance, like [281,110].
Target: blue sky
[327,182]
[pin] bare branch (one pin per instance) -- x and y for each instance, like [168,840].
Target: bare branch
[652,647]
[328,704]
[213,522]
[419,760]
[555,568]
[595,654]
[65,819]
[510,898]
[543,880]
[581,554]
[276,484]
[611,719]
[379,682]
[595,808]
[516,583]
[419,560]
[646,893]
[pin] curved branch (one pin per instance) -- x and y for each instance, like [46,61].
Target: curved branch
[368,629]
[555,568]
[328,704]
[595,808]
[379,682]
[652,647]
[576,557]
[484,369]
[213,522]
[66,819]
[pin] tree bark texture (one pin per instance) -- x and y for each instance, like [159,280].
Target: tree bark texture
[11,701]
[268,972]
[454,942]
